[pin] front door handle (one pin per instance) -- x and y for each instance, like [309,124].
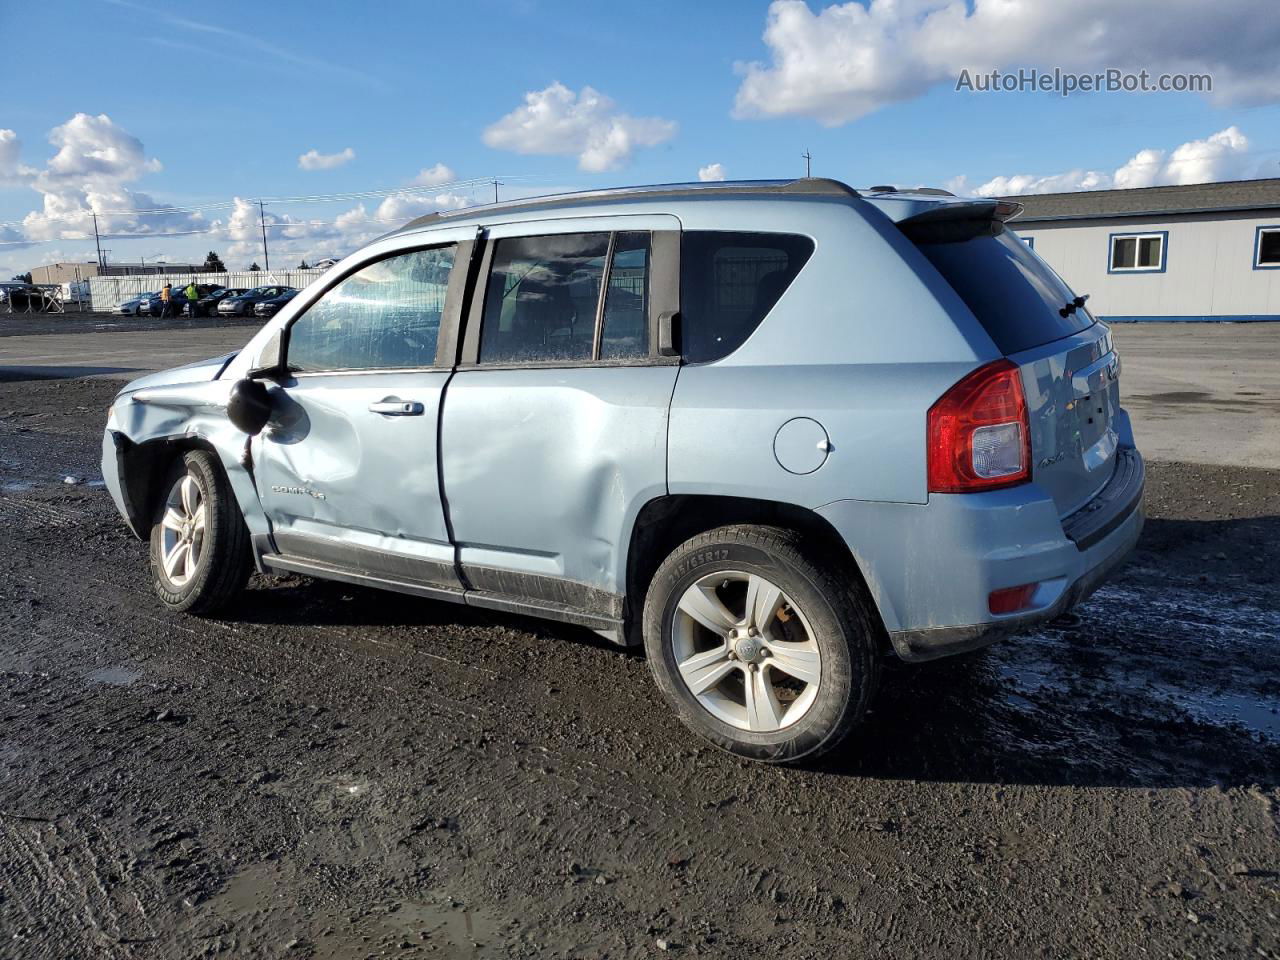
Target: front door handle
[392,407]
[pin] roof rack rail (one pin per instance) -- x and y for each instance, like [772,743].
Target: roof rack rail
[815,186]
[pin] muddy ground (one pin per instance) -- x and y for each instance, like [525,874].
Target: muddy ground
[334,772]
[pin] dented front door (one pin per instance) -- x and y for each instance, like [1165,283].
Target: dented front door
[348,475]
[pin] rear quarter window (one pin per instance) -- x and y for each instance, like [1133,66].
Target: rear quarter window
[729,282]
[1014,294]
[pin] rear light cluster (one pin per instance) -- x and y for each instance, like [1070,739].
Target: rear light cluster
[979,434]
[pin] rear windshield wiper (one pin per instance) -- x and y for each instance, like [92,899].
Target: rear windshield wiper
[1072,306]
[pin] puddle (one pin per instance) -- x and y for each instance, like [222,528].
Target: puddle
[115,676]
[1254,712]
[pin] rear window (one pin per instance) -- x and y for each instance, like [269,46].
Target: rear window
[1013,293]
[729,282]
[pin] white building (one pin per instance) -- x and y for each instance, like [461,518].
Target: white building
[1207,251]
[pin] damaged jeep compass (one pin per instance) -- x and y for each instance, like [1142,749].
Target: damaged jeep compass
[774,431]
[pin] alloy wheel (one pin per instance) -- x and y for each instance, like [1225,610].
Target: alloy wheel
[745,651]
[183,529]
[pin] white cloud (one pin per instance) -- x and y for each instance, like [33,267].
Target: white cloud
[1221,156]
[434,176]
[12,171]
[291,237]
[315,160]
[405,206]
[93,171]
[558,122]
[89,173]
[712,171]
[851,59]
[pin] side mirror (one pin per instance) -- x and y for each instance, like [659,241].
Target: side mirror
[249,406]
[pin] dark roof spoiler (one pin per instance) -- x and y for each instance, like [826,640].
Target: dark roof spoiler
[961,220]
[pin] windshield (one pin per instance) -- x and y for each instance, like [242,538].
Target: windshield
[1015,295]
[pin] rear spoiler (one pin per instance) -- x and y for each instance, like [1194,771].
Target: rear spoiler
[958,221]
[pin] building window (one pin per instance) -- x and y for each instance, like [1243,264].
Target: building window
[1029,241]
[1137,252]
[1266,249]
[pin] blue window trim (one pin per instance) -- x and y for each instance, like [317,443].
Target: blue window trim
[1164,251]
[1257,246]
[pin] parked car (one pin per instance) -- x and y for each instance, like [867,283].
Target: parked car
[243,304]
[135,306]
[8,287]
[211,294]
[268,308]
[154,306]
[772,430]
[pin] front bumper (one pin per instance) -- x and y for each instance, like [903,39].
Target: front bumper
[114,447]
[931,567]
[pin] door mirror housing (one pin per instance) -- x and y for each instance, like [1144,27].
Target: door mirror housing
[249,405]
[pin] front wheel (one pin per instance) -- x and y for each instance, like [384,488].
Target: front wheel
[762,645]
[200,556]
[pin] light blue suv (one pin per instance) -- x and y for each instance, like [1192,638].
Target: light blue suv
[773,431]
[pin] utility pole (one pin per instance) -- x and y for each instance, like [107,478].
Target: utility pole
[496,184]
[808,160]
[266,260]
[96,242]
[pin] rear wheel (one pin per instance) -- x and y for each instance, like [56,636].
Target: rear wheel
[200,557]
[761,646]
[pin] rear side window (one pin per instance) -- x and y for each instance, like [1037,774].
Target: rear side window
[1013,293]
[384,316]
[729,282]
[545,295]
[541,300]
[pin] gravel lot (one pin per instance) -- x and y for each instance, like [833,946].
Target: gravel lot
[334,772]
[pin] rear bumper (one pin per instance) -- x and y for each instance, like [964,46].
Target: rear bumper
[932,567]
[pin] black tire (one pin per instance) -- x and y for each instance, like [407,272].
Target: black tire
[839,615]
[224,559]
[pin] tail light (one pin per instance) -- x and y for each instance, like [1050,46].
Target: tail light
[979,434]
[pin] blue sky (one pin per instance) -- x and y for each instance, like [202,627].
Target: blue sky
[206,103]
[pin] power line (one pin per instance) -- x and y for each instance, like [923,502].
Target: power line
[221,230]
[409,190]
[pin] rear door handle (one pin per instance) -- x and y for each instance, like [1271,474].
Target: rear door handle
[391,407]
